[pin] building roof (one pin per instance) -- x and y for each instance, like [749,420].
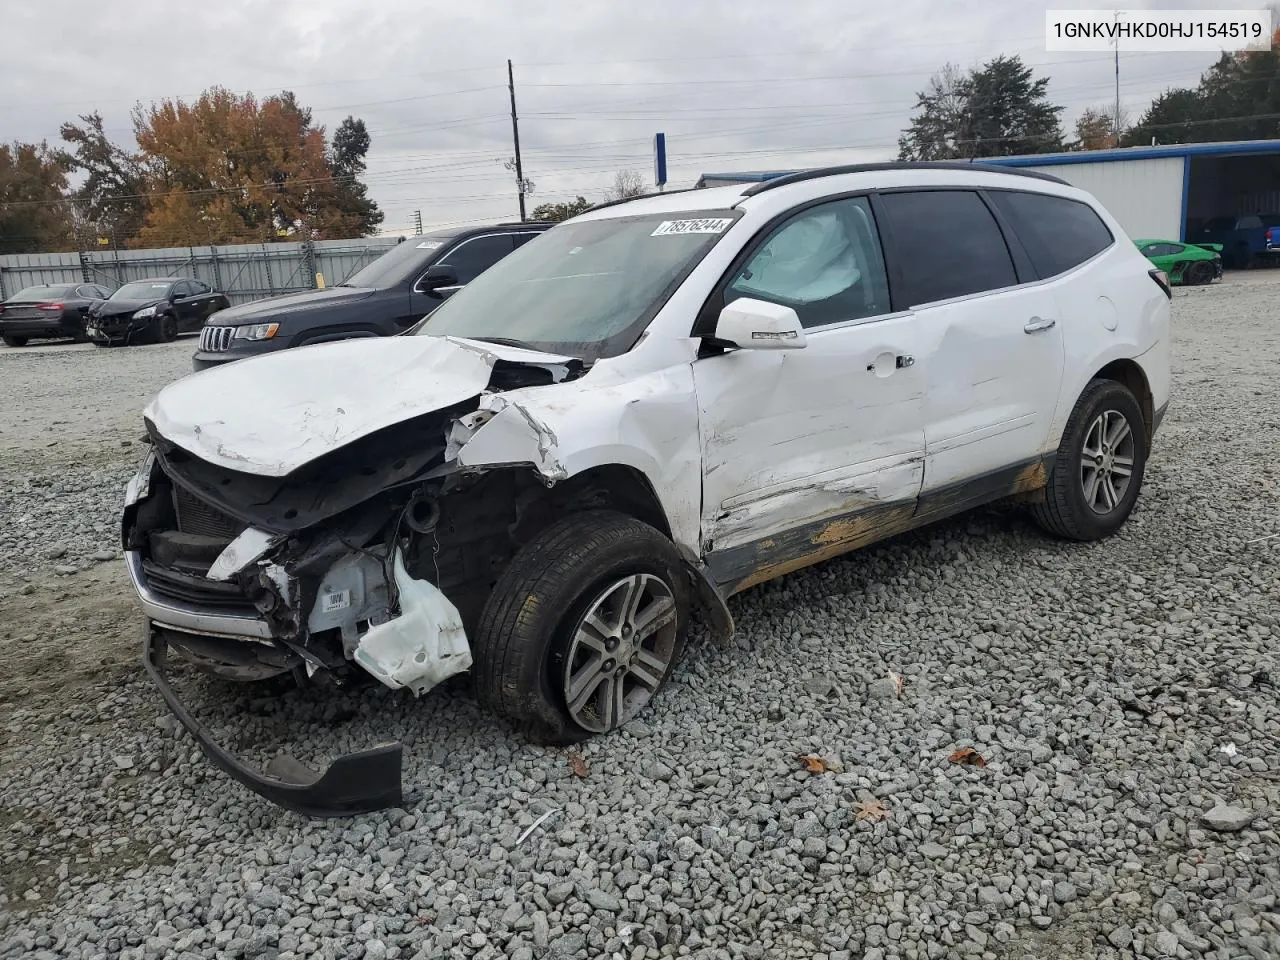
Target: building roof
[1223,148]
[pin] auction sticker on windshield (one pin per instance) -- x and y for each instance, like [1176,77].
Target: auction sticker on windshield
[705,225]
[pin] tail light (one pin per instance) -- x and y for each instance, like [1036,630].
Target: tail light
[51,307]
[1270,237]
[1162,280]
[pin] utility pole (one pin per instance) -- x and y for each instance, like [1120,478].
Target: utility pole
[1115,126]
[515,136]
[417,222]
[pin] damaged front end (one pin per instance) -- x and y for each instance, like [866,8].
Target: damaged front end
[374,556]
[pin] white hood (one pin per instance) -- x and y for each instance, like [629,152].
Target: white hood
[271,414]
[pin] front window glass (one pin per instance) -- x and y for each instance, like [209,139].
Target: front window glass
[825,263]
[583,289]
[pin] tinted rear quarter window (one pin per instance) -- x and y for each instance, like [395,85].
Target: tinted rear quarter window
[1058,233]
[947,244]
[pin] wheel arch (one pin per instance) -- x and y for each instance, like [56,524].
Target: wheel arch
[1130,374]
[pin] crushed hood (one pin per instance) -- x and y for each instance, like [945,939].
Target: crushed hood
[270,415]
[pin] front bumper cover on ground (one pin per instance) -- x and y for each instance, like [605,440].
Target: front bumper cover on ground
[357,783]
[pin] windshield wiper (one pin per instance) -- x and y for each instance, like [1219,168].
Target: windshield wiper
[502,342]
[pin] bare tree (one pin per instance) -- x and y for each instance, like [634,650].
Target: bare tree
[626,184]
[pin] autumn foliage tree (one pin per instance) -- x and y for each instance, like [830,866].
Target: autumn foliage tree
[1095,130]
[231,169]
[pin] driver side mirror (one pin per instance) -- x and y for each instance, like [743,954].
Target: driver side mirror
[439,275]
[751,324]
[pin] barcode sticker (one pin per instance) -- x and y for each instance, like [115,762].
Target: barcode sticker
[706,225]
[335,601]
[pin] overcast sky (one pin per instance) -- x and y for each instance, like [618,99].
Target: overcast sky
[736,85]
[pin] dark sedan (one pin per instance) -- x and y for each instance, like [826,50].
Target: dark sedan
[48,310]
[154,311]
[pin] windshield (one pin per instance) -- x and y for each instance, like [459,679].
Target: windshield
[581,289]
[45,291]
[400,263]
[142,290]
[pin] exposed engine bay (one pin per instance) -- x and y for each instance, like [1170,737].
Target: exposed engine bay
[378,554]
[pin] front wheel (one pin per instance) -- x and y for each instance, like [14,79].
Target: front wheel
[12,341]
[1099,467]
[164,328]
[583,627]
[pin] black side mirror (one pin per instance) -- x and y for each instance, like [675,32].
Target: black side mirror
[439,275]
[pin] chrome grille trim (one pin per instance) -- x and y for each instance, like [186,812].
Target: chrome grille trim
[216,339]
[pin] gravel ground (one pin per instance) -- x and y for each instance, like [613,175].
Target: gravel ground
[1123,696]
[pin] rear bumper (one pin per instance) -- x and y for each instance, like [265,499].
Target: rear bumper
[357,783]
[38,327]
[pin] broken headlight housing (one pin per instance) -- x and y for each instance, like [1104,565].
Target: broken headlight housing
[257,331]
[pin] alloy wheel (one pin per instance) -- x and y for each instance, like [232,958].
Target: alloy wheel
[620,652]
[1106,461]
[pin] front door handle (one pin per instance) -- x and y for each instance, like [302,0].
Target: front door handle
[1036,324]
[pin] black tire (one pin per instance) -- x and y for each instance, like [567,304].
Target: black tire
[164,328]
[1200,272]
[1066,511]
[12,341]
[526,629]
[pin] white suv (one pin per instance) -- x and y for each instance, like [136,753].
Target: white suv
[641,412]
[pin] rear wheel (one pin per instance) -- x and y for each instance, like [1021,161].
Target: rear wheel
[12,341]
[583,627]
[1199,272]
[1099,467]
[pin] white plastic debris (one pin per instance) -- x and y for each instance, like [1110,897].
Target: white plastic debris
[1229,749]
[242,551]
[422,647]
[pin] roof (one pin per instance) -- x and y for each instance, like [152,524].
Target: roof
[1223,148]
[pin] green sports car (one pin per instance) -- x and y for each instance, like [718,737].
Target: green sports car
[1191,263]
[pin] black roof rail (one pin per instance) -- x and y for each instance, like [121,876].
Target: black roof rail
[817,172]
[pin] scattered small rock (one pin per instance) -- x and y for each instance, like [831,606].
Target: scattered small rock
[1226,818]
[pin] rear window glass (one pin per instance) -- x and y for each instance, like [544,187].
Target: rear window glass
[947,245]
[44,291]
[1057,233]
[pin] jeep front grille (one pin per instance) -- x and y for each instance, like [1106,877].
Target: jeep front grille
[216,339]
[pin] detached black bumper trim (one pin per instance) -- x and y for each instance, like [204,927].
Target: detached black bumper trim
[1158,417]
[351,785]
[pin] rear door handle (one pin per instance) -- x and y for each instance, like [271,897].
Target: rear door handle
[1036,324]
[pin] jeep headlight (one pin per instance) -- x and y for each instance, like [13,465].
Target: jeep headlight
[257,331]
[145,313]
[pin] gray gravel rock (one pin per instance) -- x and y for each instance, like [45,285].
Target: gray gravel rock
[1226,818]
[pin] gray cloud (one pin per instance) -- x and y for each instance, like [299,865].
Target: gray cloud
[735,85]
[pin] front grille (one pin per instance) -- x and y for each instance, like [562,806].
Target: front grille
[197,591]
[216,339]
[196,516]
